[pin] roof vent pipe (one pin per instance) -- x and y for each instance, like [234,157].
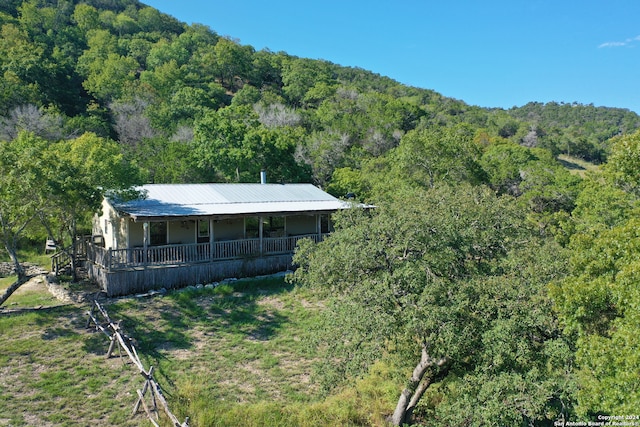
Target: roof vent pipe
[263,177]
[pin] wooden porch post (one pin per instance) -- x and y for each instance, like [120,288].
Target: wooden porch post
[318,225]
[260,229]
[145,241]
[211,240]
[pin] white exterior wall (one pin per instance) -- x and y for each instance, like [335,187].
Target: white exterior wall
[111,227]
[228,229]
[181,232]
[136,234]
[301,224]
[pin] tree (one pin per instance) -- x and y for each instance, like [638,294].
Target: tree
[601,205]
[276,115]
[504,163]
[598,300]
[20,67]
[219,138]
[424,277]
[183,108]
[112,77]
[125,24]
[248,95]
[301,75]
[523,371]
[274,151]
[373,121]
[439,154]
[80,172]
[598,305]
[622,167]
[107,73]
[21,189]
[172,161]
[131,123]
[323,152]
[101,44]
[547,186]
[348,181]
[235,144]
[165,78]
[86,17]
[31,119]
[542,184]
[232,61]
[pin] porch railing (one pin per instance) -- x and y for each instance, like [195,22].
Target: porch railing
[114,259]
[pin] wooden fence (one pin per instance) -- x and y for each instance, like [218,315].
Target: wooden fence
[118,338]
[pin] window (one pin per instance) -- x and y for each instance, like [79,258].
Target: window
[325,224]
[251,227]
[274,227]
[158,233]
[203,231]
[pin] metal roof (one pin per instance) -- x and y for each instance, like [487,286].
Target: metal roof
[186,200]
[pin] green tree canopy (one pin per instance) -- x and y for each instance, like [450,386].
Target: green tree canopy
[232,142]
[598,304]
[624,163]
[438,154]
[80,172]
[429,276]
[22,189]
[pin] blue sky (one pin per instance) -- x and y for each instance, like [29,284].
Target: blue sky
[499,53]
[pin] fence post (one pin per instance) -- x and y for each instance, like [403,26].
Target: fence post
[114,340]
[150,384]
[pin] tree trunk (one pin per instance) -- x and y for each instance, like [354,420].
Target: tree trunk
[74,250]
[416,387]
[423,386]
[22,277]
[46,225]
[14,287]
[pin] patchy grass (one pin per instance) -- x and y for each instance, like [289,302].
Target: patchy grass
[41,259]
[31,255]
[233,355]
[577,166]
[30,295]
[249,342]
[52,373]
[5,282]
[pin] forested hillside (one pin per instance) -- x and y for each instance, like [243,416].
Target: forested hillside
[188,105]
[490,278]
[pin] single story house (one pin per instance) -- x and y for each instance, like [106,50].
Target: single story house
[181,234]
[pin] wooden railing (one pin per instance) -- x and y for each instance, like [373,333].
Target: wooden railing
[114,259]
[63,257]
[60,261]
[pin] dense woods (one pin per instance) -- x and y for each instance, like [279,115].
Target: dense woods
[499,283]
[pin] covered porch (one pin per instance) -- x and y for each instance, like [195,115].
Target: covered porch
[176,235]
[141,269]
[176,254]
[130,242]
[130,256]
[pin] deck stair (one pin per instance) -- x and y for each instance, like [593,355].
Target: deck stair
[61,261]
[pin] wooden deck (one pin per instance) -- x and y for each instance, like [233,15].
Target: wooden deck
[134,270]
[117,259]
